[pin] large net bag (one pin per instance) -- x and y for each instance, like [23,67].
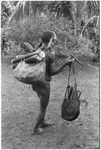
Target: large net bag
[30,73]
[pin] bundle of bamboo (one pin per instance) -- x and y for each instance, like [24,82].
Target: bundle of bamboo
[32,57]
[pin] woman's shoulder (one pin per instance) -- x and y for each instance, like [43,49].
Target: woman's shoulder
[53,52]
[50,54]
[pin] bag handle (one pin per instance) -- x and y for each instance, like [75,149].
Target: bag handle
[67,88]
[69,75]
[72,67]
[74,75]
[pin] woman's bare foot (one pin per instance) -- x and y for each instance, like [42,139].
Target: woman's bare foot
[46,124]
[37,131]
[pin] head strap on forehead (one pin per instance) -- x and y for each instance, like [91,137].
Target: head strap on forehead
[48,37]
[49,34]
[54,35]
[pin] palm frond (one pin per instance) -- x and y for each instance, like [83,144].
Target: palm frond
[16,14]
[89,20]
[29,46]
[22,9]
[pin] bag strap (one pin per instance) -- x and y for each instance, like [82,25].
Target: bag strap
[74,74]
[70,67]
[67,89]
[69,75]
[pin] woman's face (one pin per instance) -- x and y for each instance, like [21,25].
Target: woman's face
[54,42]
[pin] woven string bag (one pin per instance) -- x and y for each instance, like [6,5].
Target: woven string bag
[70,109]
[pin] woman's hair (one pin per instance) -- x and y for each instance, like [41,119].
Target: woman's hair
[47,35]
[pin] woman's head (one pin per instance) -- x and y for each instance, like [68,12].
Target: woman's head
[49,37]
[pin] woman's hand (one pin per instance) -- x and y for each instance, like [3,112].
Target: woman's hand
[71,60]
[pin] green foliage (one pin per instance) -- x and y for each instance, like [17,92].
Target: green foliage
[30,30]
[6,11]
[61,8]
[69,20]
[12,49]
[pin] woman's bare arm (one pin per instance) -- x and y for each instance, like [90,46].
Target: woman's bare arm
[61,55]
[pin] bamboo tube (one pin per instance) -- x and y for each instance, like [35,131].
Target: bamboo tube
[32,59]
[22,57]
[14,65]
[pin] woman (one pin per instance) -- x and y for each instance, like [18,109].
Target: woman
[43,89]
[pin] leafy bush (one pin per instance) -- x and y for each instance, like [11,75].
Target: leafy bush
[12,49]
[31,29]
[6,11]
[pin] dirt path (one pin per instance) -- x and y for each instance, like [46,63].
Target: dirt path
[20,108]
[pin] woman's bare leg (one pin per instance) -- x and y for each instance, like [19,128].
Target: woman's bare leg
[52,68]
[56,69]
[43,91]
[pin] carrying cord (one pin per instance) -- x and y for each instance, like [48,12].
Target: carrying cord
[71,66]
[74,75]
[69,75]
[67,88]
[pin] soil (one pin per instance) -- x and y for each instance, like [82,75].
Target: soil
[20,107]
